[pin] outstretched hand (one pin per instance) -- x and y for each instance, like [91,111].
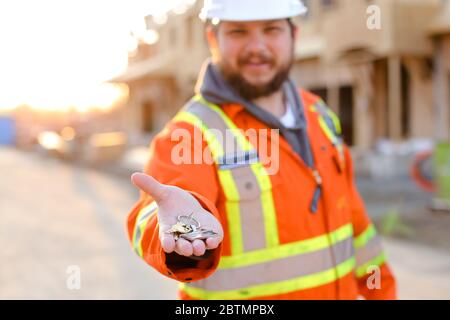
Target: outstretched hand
[172,202]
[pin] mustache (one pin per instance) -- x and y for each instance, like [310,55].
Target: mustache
[262,58]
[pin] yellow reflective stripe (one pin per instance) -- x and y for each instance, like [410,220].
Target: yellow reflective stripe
[226,180]
[263,179]
[291,285]
[140,226]
[136,226]
[232,211]
[269,212]
[199,98]
[332,115]
[365,236]
[138,243]
[364,247]
[286,250]
[336,121]
[337,124]
[269,272]
[330,135]
[243,142]
[361,271]
[213,144]
[270,222]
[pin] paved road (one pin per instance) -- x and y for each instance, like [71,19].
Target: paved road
[53,215]
[422,272]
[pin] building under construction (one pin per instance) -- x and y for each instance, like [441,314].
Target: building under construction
[387,78]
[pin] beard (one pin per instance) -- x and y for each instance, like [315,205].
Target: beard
[249,91]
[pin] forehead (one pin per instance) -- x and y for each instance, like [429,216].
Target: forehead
[251,24]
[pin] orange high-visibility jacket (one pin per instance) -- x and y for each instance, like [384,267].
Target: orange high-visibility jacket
[289,251]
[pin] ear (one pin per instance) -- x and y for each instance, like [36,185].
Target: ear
[296,33]
[211,38]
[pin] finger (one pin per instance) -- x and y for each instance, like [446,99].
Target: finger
[183,247]
[150,185]
[167,243]
[212,243]
[199,247]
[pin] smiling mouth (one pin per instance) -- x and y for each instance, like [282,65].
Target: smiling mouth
[256,64]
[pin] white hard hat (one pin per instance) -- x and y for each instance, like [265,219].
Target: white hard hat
[251,10]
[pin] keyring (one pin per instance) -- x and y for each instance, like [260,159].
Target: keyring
[189,220]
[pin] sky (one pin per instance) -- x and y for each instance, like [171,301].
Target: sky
[54,53]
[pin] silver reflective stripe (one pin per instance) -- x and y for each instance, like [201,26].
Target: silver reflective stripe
[138,237]
[250,207]
[141,221]
[369,251]
[214,121]
[277,270]
[250,204]
[148,210]
[236,161]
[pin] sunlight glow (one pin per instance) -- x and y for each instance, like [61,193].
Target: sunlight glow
[58,54]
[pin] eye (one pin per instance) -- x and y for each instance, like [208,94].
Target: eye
[237,31]
[273,29]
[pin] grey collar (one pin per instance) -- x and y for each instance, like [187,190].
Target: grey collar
[213,87]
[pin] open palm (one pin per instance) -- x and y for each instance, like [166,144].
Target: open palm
[173,202]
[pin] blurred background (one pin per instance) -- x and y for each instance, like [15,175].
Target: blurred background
[85,86]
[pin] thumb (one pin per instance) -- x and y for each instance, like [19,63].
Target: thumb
[150,185]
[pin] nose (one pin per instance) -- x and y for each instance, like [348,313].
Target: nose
[256,43]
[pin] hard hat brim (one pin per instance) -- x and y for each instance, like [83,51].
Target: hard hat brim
[244,17]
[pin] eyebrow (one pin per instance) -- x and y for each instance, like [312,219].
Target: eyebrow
[236,25]
[242,25]
[272,22]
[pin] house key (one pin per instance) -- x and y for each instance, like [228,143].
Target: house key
[201,234]
[188,228]
[181,227]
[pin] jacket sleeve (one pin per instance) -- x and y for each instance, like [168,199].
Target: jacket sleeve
[375,278]
[142,222]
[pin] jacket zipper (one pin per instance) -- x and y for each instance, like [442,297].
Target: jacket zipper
[317,192]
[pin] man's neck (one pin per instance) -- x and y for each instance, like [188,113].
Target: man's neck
[274,103]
